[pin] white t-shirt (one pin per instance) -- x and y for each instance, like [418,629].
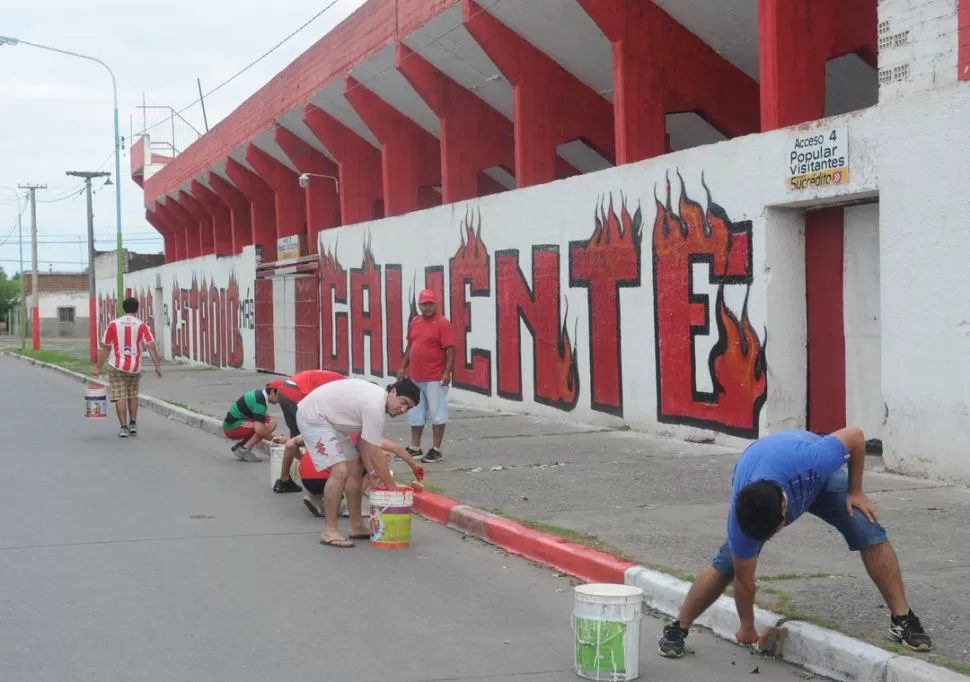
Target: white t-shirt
[349,406]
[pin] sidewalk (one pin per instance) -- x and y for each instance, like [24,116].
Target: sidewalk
[662,504]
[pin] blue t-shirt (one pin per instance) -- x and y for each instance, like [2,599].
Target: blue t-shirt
[798,461]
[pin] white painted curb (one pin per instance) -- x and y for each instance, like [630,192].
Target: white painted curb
[821,651]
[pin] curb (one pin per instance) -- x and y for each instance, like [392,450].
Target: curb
[816,649]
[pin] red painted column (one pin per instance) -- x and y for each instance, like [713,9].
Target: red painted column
[361,177]
[796,39]
[174,229]
[963,40]
[163,229]
[552,106]
[659,67]
[185,224]
[202,218]
[824,291]
[474,137]
[322,198]
[219,213]
[287,195]
[239,211]
[410,155]
[263,207]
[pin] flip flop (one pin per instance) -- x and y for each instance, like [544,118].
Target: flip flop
[339,543]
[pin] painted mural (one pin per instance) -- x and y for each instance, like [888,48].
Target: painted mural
[552,309]
[199,310]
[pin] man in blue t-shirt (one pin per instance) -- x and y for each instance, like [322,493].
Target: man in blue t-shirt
[777,479]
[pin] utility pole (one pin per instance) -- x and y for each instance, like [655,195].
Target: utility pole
[34,286]
[92,293]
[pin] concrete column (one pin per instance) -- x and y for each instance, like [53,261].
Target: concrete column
[321,196]
[288,199]
[659,67]
[184,224]
[262,202]
[552,106]
[474,137]
[202,218]
[410,155]
[796,40]
[359,164]
[239,211]
[221,218]
[156,221]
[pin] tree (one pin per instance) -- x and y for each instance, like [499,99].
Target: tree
[9,290]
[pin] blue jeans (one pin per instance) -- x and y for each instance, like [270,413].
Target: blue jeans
[434,401]
[858,531]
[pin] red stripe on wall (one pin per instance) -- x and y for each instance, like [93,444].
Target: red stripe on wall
[824,254]
[963,39]
[265,342]
[307,321]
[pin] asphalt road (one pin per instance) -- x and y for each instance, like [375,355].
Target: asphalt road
[163,558]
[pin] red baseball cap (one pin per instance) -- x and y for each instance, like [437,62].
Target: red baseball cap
[427,296]
[275,385]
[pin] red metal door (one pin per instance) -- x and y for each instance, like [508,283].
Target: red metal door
[265,350]
[307,321]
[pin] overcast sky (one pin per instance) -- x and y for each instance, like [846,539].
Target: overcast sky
[56,112]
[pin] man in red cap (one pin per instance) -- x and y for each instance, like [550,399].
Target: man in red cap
[291,392]
[428,361]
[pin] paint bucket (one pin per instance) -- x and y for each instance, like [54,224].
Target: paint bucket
[606,624]
[276,464]
[390,518]
[95,402]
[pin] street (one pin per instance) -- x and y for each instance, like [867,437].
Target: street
[162,557]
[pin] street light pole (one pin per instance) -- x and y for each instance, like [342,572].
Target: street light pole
[34,285]
[23,281]
[92,293]
[5,40]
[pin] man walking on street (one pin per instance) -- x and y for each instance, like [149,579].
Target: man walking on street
[248,420]
[291,392]
[428,361]
[122,347]
[776,480]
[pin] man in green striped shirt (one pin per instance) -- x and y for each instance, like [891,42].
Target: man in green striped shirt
[248,420]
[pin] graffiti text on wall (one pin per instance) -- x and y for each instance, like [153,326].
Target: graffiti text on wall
[682,239]
[206,321]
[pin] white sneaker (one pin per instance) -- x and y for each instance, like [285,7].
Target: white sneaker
[314,503]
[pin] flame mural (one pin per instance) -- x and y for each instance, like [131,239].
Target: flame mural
[333,292]
[736,363]
[470,268]
[567,371]
[365,284]
[608,261]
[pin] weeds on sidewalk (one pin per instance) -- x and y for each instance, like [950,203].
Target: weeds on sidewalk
[176,403]
[54,357]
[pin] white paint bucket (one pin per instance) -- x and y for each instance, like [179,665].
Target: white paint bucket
[276,464]
[606,625]
[95,402]
[390,518]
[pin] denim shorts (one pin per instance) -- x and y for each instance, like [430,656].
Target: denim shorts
[858,531]
[434,400]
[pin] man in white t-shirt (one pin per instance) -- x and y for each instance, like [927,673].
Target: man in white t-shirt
[327,417]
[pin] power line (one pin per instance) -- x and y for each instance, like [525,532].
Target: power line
[245,68]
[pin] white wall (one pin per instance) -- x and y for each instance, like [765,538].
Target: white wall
[197,328]
[864,405]
[742,176]
[924,242]
[917,46]
[50,301]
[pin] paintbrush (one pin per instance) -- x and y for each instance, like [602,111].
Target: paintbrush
[772,640]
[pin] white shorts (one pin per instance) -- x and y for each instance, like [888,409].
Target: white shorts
[325,445]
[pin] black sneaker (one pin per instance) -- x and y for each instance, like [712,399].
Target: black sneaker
[434,455]
[416,453]
[238,445]
[287,486]
[908,631]
[671,643]
[132,429]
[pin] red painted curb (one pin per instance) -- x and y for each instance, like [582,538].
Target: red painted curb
[551,550]
[434,507]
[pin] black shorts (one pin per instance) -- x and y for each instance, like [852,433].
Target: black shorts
[314,486]
[289,414]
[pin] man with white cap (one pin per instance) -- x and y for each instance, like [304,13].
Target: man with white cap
[428,361]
